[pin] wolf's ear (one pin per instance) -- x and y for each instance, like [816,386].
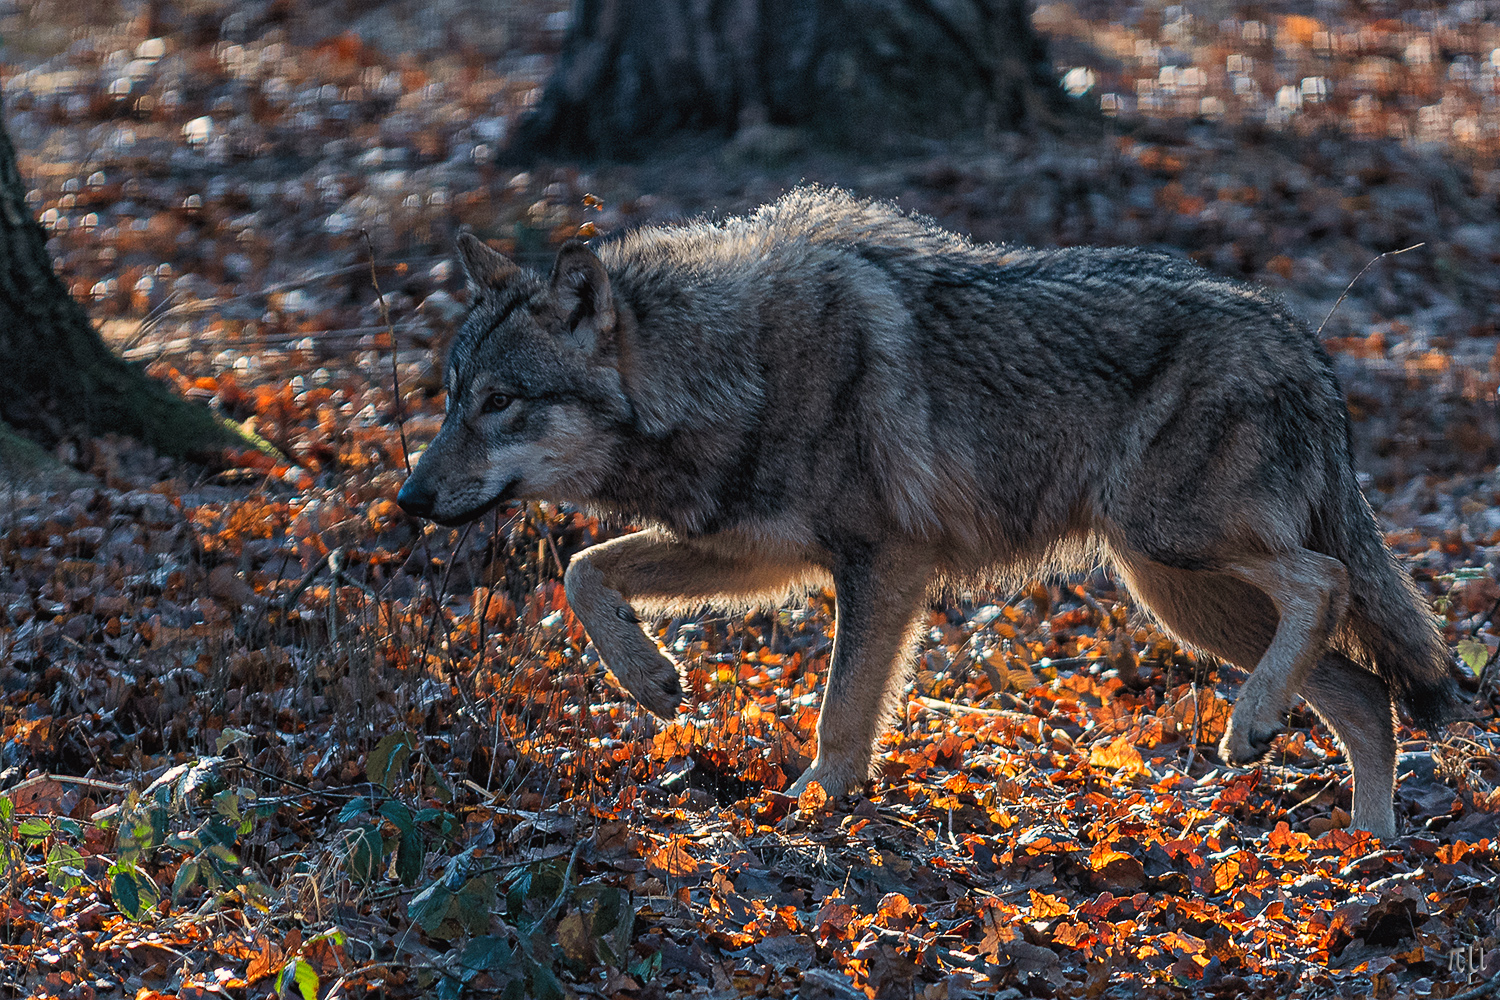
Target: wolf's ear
[580,287]
[483,266]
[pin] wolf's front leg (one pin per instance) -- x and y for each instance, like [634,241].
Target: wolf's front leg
[878,595]
[635,659]
[657,571]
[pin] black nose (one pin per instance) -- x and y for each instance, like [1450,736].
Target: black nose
[416,498]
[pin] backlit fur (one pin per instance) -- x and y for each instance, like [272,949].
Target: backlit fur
[829,391]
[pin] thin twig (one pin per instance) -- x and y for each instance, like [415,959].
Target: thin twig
[1187,765]
[149,323]
[1339,301]
[306,581]
[543,529]
[67,779]
[1083,595]
[567,886]
[385,315]
[954,708]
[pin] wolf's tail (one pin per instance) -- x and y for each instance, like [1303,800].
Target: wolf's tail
[1388,627]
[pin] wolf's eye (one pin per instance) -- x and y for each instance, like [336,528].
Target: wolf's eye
[497,401]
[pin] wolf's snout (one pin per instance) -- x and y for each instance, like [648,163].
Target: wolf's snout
[416,497]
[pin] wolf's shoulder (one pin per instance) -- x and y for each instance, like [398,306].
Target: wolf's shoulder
[806,222]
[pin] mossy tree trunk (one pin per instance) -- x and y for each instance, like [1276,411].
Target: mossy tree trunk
[58,379]
[854,73]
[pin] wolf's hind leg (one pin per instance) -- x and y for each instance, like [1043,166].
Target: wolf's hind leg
[1310,592]
[656,571]
[877,599]
[1271,615]
[1356,705]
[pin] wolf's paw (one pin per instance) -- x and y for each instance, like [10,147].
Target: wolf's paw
[1242,746]
[836,780]
[649,675]
[1380,821]
[1259,716]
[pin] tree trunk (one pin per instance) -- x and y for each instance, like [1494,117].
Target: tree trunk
[58,380]
[854,73]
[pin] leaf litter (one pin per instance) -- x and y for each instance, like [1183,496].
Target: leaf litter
[260,732]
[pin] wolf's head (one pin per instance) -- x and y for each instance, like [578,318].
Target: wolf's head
[533,388]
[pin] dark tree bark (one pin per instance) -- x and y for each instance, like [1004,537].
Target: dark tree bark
[58,379]
[634,73]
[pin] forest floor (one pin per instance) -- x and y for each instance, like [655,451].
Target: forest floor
[261,732]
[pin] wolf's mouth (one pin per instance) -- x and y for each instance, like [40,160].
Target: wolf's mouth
[475,513]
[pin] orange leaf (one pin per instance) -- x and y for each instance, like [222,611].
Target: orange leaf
[674,858]
[812,799]
[265,962]
[1103,854]
[1225,872]
[895,906]
[1045,905]
[1119,756]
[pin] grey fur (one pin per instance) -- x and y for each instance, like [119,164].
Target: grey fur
[828,391]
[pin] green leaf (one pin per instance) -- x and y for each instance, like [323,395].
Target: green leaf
[306,981]
[387,761]
[353,809]
[203,773]
[614,924]
[535,942]
[646,968]
[429,908]
[187,843]
[7,808]
[365,852]
[229,736]
[443,791]
[544,982]
[227,804]
[34,828]
[490,952]
[127,894]
[449,988]
[475,901]
[224,854]
[1474,653]
[410,853]
[302,974]
[398,814]
[64,867]
[188,872]
[447,823]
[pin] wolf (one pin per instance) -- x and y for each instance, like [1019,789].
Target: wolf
[828,391]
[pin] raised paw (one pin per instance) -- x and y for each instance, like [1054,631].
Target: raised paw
[1242,746]
[648,675]
[1259,715]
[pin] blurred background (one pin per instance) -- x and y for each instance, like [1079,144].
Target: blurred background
[257,202]
[198,164]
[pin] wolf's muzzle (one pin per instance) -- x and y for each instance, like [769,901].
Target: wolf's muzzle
[419,500]
[416,497]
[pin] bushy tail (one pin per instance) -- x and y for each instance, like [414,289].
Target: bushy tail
[1388,627]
